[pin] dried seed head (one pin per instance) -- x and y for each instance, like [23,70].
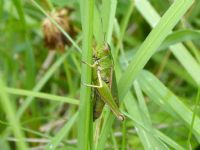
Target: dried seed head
[53,37]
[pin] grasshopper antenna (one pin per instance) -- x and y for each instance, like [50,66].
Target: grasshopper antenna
[107,46]
[104,33]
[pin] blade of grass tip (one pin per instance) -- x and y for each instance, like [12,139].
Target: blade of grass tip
[10,113]
[64,131]
[178,50]
[193,117]
[180,36]
[152,42]
[42,95]
[57,25]
[85,118]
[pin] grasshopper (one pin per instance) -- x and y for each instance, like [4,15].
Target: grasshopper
[104,82]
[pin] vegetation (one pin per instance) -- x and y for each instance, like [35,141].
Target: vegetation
[44,102]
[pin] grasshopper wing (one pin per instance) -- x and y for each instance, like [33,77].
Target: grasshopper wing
[107,97]
[114,89]
[98,104]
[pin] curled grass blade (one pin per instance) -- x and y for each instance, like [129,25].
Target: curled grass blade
[180,36]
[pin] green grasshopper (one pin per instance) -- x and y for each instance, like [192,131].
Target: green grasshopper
[104,82]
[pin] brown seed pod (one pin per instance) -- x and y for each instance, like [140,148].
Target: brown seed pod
[53,37]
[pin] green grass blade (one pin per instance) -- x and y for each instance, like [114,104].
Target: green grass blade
[85,117]
[152,42]
[180,36]
[143,127]
[123,26]
[30,61]
[179,51]
[176,69]
[42,95]
[142,103]
[193,116]
[41,83]
[10,113]
[56,140]
[167,100]
[105,132]
[169,141]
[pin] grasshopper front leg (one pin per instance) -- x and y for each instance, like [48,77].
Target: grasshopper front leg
[99,79]
[98,76]
[92,66]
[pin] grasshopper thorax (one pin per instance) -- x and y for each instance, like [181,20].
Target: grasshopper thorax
[101,51]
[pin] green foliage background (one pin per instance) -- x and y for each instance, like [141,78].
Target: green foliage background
[155,45]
